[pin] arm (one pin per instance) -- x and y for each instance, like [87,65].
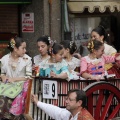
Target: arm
[61,75]
[84,71]
[27,72]
[51,110]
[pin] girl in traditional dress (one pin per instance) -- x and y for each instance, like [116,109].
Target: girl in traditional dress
[99,33]
[93,65]
[73,62]
[69,49]
[43,44]
[55,66]
[16,69]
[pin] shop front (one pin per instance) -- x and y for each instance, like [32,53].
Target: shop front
[9,21]
[84,15]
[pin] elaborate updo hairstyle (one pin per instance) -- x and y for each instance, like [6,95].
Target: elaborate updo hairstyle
[70,45]
[94,45]
[101,31]
[15,42]
[55,48]
[45,39]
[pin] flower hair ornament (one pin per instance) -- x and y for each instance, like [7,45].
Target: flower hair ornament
[90,46]
[71,44]
[12,43]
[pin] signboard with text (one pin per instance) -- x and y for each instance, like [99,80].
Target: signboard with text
[49,89]
[28,22]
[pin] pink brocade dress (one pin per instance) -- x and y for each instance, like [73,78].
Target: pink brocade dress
[18,105]
[95,66]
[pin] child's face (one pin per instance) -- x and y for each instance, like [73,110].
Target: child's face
[66,51]
[59,56]
[99,52]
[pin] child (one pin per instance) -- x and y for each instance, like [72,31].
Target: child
[69,49]
[92,66]
[55,66]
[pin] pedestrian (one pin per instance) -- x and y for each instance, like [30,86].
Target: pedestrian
[75,107]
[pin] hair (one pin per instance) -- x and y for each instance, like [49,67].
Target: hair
[56,48]
[70,45]
[81,95]
[45,39]
[94,45]
[15,42]
[101,31]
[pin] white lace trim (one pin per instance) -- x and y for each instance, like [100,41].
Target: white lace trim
[45,64]
[93,61]
[74,63]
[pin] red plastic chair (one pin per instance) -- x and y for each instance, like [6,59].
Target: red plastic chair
[106,100]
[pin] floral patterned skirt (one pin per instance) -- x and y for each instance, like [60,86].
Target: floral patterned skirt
[18,105]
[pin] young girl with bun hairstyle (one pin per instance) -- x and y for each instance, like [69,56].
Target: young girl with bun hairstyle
[93,65]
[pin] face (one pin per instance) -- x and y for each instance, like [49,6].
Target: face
[66,51]
[71,103]
[95,35]
[99,52]
[42,48]
[21,50]
[59,56]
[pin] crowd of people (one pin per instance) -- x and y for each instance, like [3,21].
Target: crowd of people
[56,60]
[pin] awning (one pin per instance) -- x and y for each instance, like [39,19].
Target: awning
[79,7]
[15,1]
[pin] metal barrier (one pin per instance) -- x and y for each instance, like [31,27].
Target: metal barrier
[63,86]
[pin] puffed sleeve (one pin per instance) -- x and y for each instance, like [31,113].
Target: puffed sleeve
[29,67]
[3,64]
[84,66]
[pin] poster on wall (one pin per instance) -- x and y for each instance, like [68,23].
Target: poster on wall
[28,22]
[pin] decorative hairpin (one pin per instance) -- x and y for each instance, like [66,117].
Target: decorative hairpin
[71,44]
[12,43]
[90,46]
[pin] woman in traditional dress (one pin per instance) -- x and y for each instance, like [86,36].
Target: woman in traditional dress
[93,65]
[43,44]
[99,33]
[16,70]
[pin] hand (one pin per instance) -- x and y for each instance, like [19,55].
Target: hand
[4,78]
[96,77]
[118,58]
[52,74]
[34,98]
[11,80]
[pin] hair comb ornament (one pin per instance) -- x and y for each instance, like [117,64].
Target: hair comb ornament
[12,42]
[90,46]
[71,44]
